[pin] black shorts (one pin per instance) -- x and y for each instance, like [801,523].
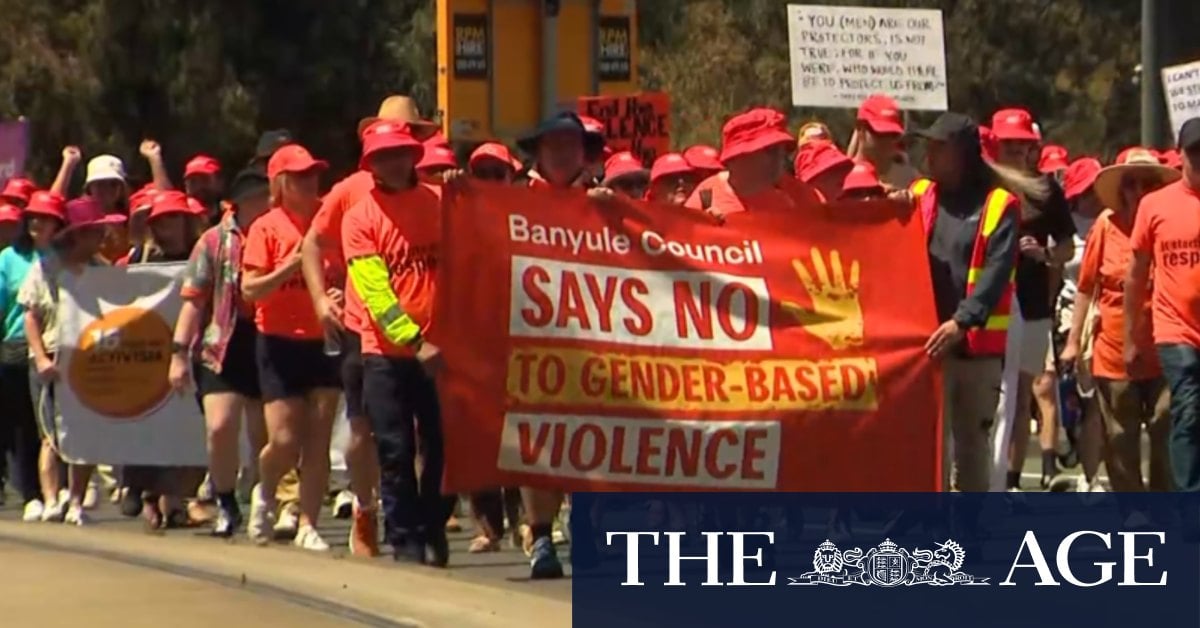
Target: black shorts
[352,374]
[289,367]
[239,370]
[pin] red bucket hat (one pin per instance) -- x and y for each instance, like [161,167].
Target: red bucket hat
[670,164]
[1080,176]
[143,199]
[437,140]
[496,151]
[87,212]
[201,164]
[437,157]
[753,131]
[386,135]
[881,114]
[1053,159]
[1014,125]
[703,157]
[817,157]
[862,177]
[47,204]
[624,164]
[988,145]
[169,202]
[293,158]
[18,190]
[9,213]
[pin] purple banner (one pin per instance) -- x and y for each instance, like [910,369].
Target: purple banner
[14,146]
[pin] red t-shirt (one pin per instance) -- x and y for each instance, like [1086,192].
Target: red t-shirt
[726,202]
[405,229]
[288,310]
[1167,227]
[327,223]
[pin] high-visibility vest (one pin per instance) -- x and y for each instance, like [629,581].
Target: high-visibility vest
[990,339]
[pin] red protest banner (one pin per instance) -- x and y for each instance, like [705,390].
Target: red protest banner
[639,123]
[637,347]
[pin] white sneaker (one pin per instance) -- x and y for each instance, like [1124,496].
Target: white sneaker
[343,505]
[33,511]
[309,539]
[77,516]
[54,512]
[90,497]
[262,514]
[64,496]
[288,523]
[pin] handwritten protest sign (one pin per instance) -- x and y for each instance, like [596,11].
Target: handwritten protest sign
[1182,86]
[637,347]
[638,122]
[841,55]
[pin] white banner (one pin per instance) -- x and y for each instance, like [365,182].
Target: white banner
[1181,83]
[841,55]
[114,351]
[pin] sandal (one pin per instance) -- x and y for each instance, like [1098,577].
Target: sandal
[482,545]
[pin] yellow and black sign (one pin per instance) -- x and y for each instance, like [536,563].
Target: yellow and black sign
[614,44]
[470,46]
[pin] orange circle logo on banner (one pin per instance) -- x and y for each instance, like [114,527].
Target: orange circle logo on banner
[119,369]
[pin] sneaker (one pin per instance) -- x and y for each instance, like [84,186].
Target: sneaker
[309,539]
[64,496]
[408,548]
[287,525]
[544,563]
[54,512]
[33,511]
[227,523]
[343,505]
[77,516]
[364,533]
[131,502]
[262,515]
[90,497]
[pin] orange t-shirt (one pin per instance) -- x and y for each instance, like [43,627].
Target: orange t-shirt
[327,223]
[1167,227]
[726,202]
[405,229]
[287,311]
[1106,259]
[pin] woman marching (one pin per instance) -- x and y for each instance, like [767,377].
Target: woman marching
[298,378]
[214,340]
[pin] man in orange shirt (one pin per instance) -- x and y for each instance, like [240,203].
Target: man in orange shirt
[390,241]
[1166,231]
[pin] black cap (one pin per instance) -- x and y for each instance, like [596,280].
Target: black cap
[1189,134]
[248,182]
[593,144]
[950,127]
[271,141]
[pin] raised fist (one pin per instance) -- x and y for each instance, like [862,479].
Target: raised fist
[72,155]
[150,149]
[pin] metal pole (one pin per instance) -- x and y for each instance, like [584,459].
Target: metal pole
[549,59]
[1152,94]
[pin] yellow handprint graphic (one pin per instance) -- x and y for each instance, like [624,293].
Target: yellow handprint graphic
[836,315]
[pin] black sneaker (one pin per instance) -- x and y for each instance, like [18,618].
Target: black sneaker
[408,549]
[437,550]
[228,522]
[131,503]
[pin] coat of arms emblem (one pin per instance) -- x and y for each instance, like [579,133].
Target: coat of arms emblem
[888,565]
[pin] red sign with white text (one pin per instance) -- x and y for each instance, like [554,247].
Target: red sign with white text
[633,347]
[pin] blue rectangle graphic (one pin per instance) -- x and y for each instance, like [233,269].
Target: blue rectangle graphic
[895,560]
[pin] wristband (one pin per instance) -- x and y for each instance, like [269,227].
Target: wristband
[179,348]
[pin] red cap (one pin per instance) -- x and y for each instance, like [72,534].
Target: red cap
[385,135]
[881,114]
[1080,176]
[437,157]
[47,204]
[862,177]
[623,164]
[668,165]
[816,157]
[988,144]
[169,202]
[494,150]
[752,131]
[9,213]
[18,189]
[1014,125]
[142,199]
[437,140]
[1053,159]
[86,211]
[196,207]
[201,164]
[293,158]
[703,157]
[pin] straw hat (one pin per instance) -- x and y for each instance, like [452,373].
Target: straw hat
[398,108]
[1134,160]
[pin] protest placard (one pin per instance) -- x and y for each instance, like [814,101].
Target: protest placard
[841,55]
[640,123]
[1181,83]
[644,347]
